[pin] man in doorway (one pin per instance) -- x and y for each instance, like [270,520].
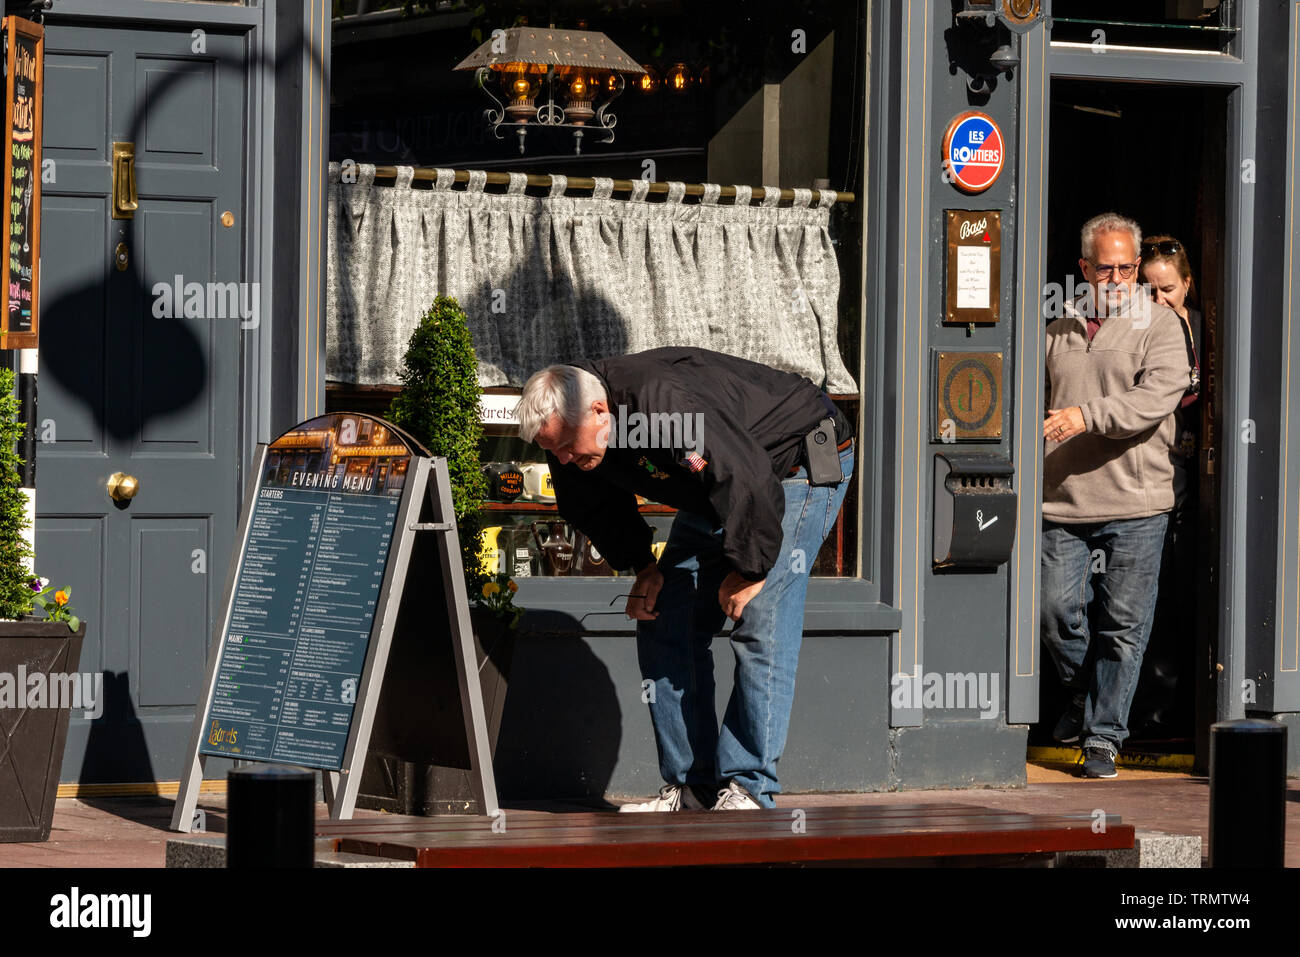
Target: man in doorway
[1116,369]
[750,522]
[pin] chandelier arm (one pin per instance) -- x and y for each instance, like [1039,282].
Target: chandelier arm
[494,117]
[607,120]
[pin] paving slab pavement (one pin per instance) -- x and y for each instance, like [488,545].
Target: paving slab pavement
[132,832]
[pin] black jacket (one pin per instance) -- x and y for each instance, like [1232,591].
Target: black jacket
[752,422]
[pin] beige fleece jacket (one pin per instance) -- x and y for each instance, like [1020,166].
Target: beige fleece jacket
[1127,382]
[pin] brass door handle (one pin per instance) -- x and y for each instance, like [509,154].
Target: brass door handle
[125,199]
[122,487]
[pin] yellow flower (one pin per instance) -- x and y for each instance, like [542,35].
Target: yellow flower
[490,589]
[61,597]
[512,586]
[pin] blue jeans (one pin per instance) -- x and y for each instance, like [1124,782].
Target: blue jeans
[675,651]
[1122,559]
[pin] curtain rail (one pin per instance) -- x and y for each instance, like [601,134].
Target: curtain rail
[428,174]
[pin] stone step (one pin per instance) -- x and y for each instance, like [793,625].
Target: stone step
[1150,849]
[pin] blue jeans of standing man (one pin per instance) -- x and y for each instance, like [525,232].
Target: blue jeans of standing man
[1119,563]
[675,650]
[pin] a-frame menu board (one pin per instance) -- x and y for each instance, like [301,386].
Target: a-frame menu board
[311,602]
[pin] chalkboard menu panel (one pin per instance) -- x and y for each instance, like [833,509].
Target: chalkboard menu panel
[306,590]
[24,91]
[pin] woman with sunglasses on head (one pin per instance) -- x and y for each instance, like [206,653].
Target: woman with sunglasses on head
[1163,705]
[1168,274]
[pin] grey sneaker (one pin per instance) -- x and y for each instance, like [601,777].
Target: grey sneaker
[672,797]
[1098,763]
[735,798]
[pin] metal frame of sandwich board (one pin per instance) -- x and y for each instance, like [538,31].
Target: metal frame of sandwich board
[427,482]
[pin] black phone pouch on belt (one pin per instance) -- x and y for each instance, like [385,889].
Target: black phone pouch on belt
[822,456]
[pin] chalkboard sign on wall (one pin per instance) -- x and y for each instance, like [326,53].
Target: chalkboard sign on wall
[24,59]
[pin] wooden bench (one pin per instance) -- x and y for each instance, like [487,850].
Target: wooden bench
[912,835]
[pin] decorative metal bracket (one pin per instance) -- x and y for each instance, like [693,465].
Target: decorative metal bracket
[550,114]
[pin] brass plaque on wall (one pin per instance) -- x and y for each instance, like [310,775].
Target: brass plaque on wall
[973,277]
[968,396]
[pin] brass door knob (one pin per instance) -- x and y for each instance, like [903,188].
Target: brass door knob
[122,487]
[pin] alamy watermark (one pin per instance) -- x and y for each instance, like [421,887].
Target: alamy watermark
[179,299]
[84,691]
[76,909]
[1079,299]
[948,690]
[655,430]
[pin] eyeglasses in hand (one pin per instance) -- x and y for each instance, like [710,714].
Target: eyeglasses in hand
[611,604]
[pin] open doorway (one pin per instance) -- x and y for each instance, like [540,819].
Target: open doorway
[1156,153]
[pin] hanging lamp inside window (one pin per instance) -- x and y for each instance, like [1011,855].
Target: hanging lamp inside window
[543,77]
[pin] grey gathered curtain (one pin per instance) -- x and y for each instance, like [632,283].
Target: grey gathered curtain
[554,278]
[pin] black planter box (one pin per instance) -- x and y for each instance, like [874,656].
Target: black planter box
[32,740]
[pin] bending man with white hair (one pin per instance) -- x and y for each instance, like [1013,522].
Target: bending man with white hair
[722,440]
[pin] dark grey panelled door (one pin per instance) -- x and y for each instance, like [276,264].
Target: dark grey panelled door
[124,389]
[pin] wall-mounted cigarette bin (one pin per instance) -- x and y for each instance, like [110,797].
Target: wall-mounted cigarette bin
[974,510]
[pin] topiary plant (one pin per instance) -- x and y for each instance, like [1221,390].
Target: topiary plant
[439,405]
[15,552]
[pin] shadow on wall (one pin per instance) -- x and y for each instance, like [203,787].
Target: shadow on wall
[162,360]
[116,749]
[538,316]
[562,726]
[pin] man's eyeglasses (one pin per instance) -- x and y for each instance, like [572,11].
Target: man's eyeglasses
[1168,247]
[1124,270]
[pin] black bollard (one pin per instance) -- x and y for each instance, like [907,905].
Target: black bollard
[271,817]
[1247,793]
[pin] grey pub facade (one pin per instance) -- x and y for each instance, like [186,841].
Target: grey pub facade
[975,139]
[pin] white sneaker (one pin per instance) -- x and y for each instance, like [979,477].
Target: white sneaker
[735,798]
[672,797]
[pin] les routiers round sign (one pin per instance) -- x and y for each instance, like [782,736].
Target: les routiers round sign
[973,151]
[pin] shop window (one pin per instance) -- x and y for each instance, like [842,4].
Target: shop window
[760,101]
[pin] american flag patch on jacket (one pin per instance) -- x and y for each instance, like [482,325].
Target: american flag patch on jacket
[695,462]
